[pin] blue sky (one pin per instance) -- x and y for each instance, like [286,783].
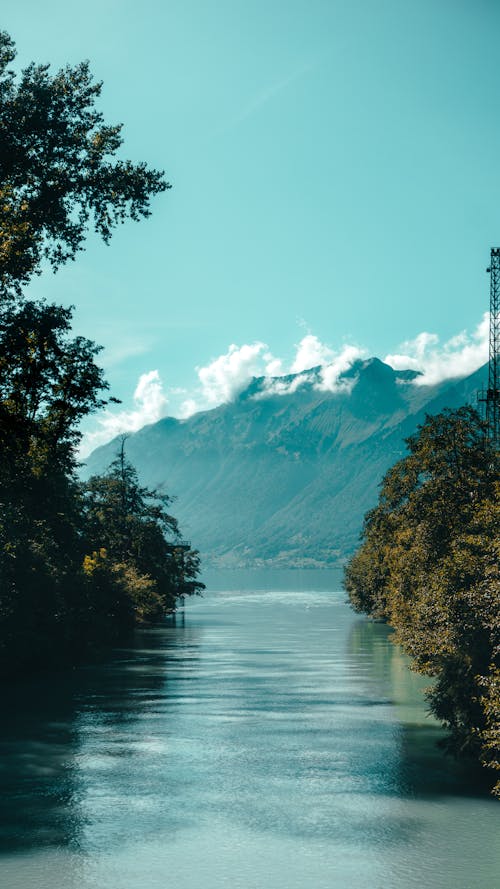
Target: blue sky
[335,170]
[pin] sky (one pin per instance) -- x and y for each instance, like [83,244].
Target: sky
[335,171]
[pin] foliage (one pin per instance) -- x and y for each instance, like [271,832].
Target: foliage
[78,565]
[428,564]
[122,594]
[57,169]
[48,382]
[138,534]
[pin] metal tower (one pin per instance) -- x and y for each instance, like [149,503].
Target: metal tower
[491,397]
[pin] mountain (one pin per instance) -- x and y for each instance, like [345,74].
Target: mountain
[285,479]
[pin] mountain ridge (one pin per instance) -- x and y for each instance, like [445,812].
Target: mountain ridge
[285,479]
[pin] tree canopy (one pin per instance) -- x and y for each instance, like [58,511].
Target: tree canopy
[131,525]
[79,564]
[428,563]
[58,169]
[48,382]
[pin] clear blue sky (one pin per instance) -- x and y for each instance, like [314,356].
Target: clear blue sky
[335,168]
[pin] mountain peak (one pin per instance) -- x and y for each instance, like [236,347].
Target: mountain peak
[371,371]
[285,479]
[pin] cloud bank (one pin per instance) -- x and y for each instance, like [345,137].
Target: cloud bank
[457,357]
[312,353]
[227,375]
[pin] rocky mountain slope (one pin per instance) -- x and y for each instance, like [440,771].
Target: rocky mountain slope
[285,479]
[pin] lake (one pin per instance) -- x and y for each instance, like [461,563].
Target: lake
[269,739]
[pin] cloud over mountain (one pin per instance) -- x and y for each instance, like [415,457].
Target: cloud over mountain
[286,480]
[150,405]
[457,357]
[223,378]
[228,374]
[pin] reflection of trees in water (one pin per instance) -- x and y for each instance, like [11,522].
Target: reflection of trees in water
[423,769]
[372,640]
[368,639]
[47,722]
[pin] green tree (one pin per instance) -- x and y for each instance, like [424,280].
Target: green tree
[58,170]
[77,564]
[136,537]
[428,563]
[48,382]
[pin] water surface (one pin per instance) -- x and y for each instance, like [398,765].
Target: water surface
[271,739]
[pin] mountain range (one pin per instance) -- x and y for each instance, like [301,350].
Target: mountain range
[283,475]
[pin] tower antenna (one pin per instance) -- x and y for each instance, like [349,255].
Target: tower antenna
[491,397]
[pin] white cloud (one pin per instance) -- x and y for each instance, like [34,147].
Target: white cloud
[310,353]
[457,357]
[330,375]
[150,400]
[150,405]
[223,378]
[187,408]
[282,386]
[227,375]
[274,366]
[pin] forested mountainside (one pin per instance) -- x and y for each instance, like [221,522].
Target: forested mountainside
[285,479]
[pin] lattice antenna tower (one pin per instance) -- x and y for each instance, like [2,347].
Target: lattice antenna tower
[491,397]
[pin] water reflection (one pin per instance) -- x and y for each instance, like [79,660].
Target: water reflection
[38,781]
[421,768]
[63,737]
[274,740]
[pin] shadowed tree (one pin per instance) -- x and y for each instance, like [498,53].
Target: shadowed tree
[129,529]
[59,177]
[49,381]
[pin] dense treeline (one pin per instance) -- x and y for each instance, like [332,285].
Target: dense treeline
[79,564]
[429,565]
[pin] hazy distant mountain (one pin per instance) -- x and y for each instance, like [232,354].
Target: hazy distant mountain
[286,478]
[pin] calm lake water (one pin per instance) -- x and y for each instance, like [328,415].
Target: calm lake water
[272,740]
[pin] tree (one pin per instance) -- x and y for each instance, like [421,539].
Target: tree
[428,563]
[48,382]
[77,565]
[133,535]
[58,171]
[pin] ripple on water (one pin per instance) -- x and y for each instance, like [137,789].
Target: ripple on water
[273,740]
